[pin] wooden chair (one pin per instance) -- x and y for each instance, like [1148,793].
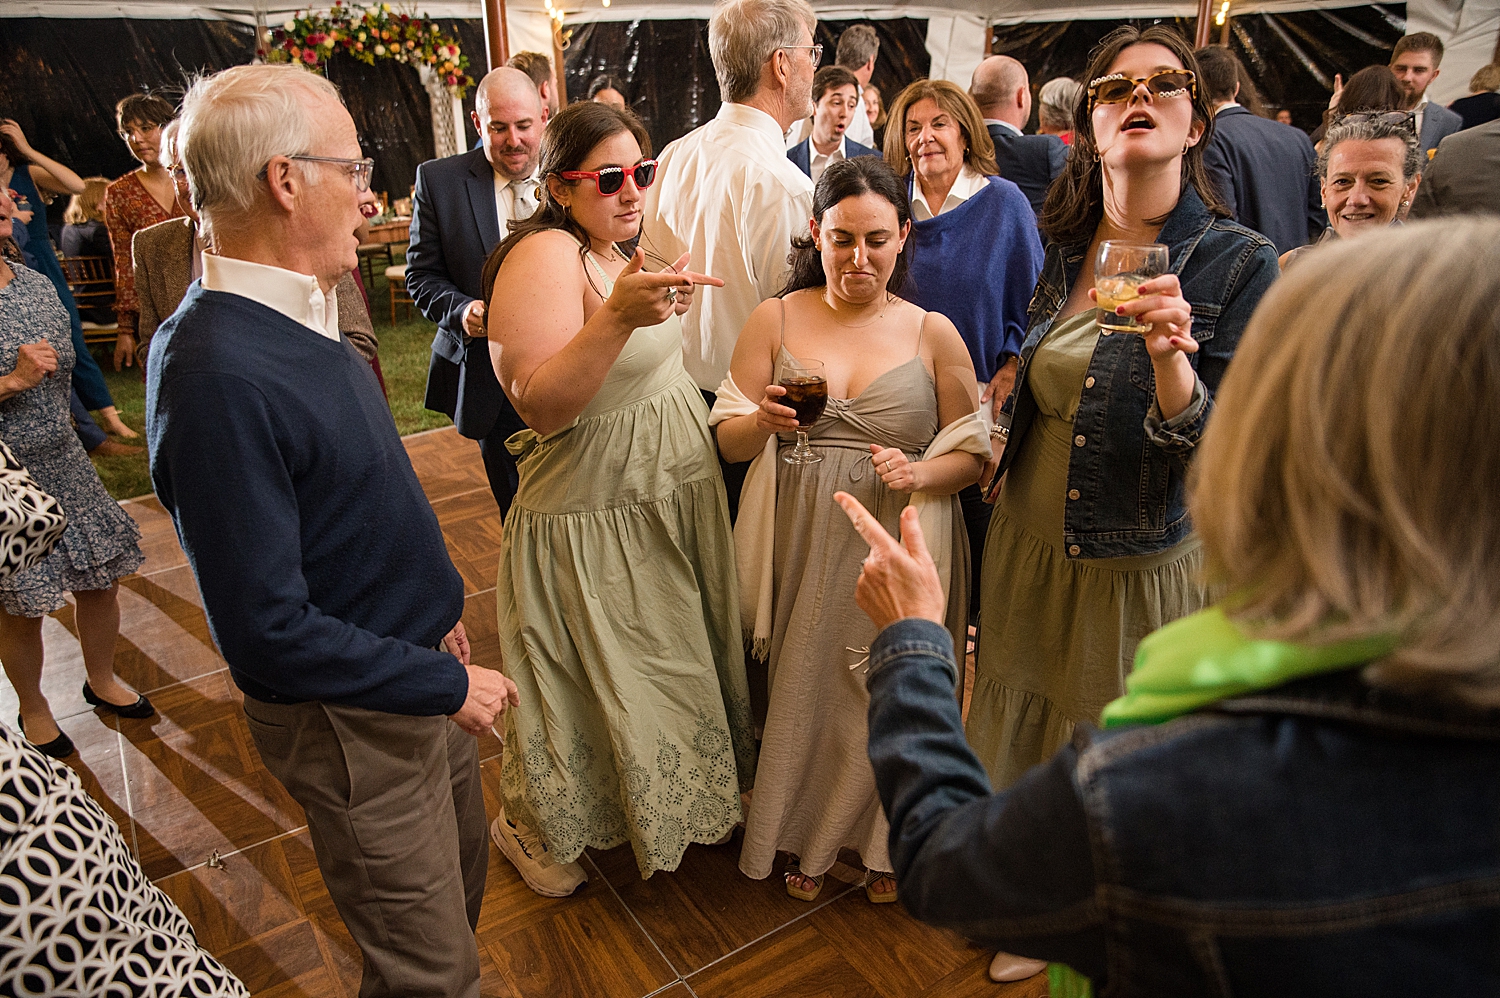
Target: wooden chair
[396,277]
[92,281]
[367,254]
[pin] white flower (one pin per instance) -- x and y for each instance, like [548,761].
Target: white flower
[380,50]
[289,26]
[453,51]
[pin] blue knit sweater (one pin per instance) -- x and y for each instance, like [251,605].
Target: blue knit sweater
[978,265]
[323,571]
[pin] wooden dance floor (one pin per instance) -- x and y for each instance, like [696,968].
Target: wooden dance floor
[220,836]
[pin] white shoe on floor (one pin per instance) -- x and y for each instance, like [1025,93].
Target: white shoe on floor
[1009,967]
[531,858]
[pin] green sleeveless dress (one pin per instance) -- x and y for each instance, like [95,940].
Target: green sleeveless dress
[618,608]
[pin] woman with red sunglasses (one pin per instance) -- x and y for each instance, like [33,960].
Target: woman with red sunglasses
[618,601]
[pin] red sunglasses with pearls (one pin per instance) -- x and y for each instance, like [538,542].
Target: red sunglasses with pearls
[610,179]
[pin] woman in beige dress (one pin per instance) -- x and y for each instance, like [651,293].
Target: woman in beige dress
[896,377]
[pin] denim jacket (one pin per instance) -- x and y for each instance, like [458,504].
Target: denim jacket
[1127,474]
[1324,838]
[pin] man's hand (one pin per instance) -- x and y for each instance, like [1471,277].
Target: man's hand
[489,694]
[474,319]
[898,580]
[456,643]
[998,390]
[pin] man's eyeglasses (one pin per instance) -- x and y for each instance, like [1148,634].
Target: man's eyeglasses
[610,179]
[1116,88]
[817,51]
[1401,119]
[360,169]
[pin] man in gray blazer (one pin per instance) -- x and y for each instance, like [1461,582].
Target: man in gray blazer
[1462,177]
[1415,64]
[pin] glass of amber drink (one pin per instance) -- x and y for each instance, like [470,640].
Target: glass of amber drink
[1119,270]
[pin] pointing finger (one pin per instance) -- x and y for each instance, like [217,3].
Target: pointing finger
[864,524]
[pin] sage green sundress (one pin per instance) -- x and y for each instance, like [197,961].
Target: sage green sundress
[618,606]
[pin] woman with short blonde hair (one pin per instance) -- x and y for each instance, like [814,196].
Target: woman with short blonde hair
[88,206]
[1347,498]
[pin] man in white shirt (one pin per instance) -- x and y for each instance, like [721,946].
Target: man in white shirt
[461,209]
[836,103]
[726,192]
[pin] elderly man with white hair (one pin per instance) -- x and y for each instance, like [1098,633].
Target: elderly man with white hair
[323,572]
[727,194]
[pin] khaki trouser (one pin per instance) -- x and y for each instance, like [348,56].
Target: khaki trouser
[396,815]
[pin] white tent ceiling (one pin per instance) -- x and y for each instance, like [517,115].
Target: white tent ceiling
[956,28]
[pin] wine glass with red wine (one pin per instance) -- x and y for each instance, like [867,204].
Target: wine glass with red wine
[807,392]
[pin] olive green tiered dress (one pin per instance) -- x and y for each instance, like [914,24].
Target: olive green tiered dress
[1058,635]
[619,621]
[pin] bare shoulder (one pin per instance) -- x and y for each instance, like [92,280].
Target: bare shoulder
[940,336]
[550,254]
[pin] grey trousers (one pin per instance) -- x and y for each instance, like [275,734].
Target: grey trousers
[396,815]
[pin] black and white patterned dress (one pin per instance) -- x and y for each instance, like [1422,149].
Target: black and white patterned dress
[101,542]
[77,914]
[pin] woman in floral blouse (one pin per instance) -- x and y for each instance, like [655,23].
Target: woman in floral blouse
[139,199]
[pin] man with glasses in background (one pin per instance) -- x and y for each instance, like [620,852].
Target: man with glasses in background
[727,193]
[325,578]
[460,211]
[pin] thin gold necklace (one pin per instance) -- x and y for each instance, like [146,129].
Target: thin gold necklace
[857,325]
[612,258]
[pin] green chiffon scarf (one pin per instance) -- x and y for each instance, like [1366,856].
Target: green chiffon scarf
[1197,661]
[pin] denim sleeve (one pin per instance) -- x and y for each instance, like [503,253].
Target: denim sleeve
[1249,279]
[1013,870]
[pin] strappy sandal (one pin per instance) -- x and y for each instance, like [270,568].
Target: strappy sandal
[794,869]
[880,897]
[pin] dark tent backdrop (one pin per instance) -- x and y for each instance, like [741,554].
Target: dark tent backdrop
[1292,57]
[669,78]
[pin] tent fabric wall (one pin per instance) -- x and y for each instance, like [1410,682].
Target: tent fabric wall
[669,78]
[1292,56]
[1470,30]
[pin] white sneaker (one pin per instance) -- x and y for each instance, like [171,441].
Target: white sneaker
[531,858]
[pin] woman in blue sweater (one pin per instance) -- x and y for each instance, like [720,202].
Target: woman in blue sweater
[973,248]
[1090,548]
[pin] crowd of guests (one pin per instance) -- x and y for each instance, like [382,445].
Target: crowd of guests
[704,626]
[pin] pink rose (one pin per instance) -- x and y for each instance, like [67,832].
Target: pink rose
[309,56]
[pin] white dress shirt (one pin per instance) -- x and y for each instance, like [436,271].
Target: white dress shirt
[513,199]
[969,183]
[817,162]
[726,193]
[296,296]
[1420,111]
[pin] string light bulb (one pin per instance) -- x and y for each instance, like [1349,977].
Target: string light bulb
[1223,14]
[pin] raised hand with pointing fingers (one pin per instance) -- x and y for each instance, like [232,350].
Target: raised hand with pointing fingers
[899,579]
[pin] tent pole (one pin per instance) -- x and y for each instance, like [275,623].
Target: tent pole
[496,38]
[559,69]
[1205,24]
[1224,35]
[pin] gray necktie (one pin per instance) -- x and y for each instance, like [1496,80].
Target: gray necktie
[523,197]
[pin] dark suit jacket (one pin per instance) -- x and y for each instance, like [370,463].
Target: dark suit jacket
[453,230]
[1437,124]
[1461,179]
[1031,162]
[801,153]
[1474,109]
[1264,172]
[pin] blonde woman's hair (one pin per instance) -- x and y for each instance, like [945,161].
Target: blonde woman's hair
[233,122]
[980,154]
[743,34]
[1486,79]
[1346,485]
[88,206]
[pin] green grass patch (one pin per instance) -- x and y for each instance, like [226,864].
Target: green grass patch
[404,353]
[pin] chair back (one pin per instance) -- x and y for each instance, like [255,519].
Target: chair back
[89,278]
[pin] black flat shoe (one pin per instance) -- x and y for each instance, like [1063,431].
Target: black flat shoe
[58,748]
[141,708]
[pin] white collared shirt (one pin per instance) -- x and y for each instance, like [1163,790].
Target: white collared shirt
[969,183]
[726,193]
[1420,110]
[505,202]
[817,162]
[860,130]
[1003,124]
[296,296]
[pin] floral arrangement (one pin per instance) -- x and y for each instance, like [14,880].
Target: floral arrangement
[370,33]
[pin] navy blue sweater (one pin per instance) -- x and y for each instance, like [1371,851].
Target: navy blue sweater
[323,571]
